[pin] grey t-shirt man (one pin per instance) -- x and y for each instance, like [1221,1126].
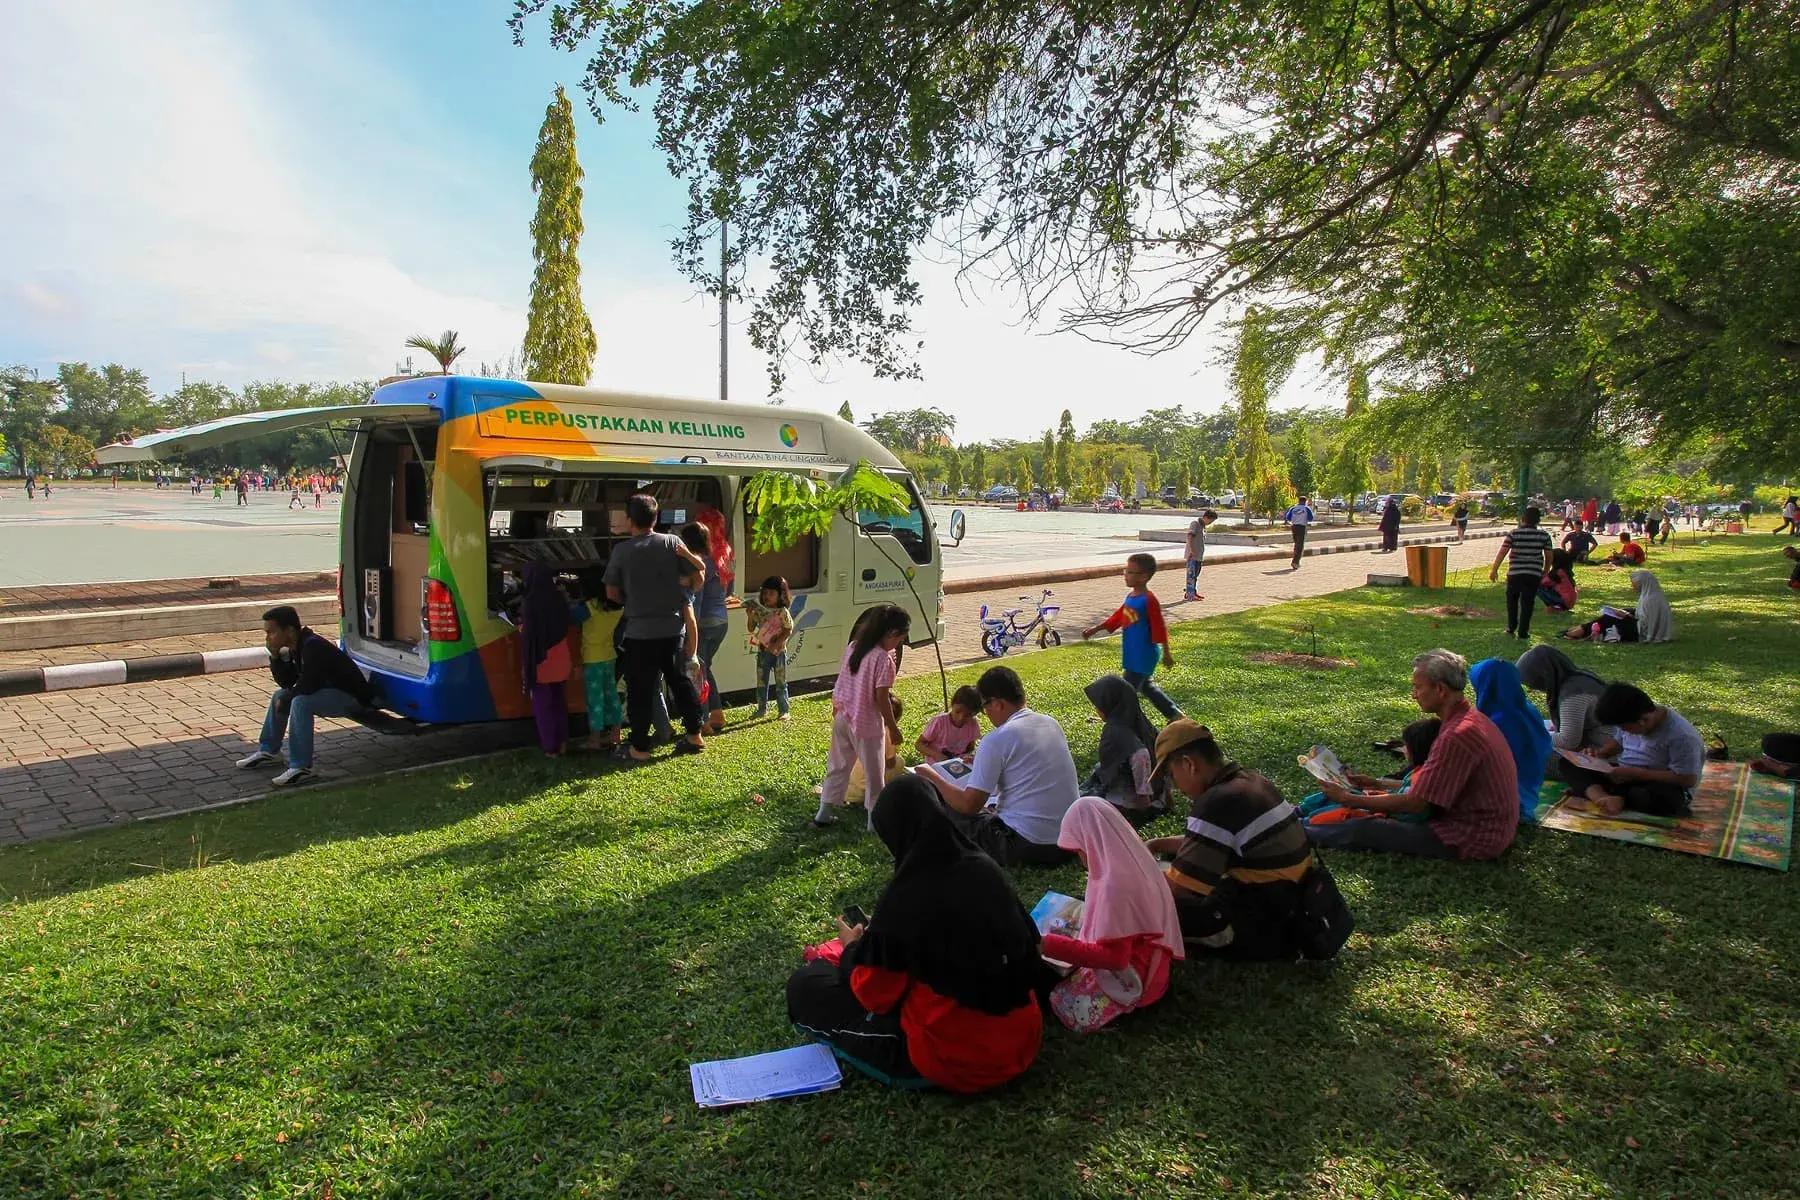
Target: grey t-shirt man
[1196,540]
[647,569]
[1675,745]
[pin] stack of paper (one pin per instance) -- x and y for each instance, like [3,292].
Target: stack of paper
[801,1071]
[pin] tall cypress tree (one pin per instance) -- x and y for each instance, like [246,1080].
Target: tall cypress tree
[1256,372]
[559,337]
[1065,452]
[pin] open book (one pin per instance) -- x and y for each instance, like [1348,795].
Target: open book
[1057,913]
[1324,766]
[951,770]
[1588,762]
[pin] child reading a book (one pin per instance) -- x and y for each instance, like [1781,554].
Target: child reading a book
[952,734]
[1416,740]
[1144,644]
[1129,931]
[598,618]
[771,622]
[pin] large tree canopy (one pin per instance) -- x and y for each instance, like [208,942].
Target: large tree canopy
[1574,205]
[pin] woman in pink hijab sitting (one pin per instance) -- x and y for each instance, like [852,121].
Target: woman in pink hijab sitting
[1129,932]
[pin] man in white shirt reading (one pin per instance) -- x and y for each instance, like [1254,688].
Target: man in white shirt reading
[1024,768]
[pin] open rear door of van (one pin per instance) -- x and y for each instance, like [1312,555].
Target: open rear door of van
[170,444]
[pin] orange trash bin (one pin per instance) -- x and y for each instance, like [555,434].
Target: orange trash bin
[1426,566]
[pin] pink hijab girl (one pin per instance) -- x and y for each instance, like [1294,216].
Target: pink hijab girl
[1129,932]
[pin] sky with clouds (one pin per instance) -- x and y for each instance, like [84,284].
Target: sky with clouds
[237,192]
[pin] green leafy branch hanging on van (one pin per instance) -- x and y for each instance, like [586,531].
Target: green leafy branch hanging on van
[785,506]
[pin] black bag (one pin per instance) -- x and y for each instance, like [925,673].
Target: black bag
[1322,922]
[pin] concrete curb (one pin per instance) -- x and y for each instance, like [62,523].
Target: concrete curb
[1104,570]
[28,681]
[97,626]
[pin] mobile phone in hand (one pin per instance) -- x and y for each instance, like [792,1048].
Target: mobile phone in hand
[854,916]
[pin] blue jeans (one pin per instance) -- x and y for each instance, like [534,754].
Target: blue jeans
[1146,687]
[1193,577]
[711,638]
[295,714]
[771,669]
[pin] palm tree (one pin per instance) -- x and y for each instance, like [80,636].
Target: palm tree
[444,347]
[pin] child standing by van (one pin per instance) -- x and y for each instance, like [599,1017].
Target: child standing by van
[953,734]
[599,621]
[771,625]
[1144,645]
[862,717]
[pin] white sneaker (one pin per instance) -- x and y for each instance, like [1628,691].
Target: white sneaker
[292,776]
[261,758]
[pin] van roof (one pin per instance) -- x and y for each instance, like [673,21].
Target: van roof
[461,395]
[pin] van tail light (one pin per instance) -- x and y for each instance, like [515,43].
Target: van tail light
[441,623]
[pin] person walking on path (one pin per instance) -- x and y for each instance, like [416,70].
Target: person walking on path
[1298,518]
[1390,526]
[30,488]
[243,490]
[1529,548]
[1195,553]
[1460,517]
[644,575]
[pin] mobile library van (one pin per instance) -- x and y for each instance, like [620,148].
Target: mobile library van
[455,483]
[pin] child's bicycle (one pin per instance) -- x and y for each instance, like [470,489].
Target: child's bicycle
[1000,634]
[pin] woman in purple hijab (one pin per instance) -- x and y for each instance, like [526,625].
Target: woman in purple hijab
[545,620]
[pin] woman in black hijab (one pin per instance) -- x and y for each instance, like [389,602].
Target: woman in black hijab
[937,988]
[1121,776]
[1390,526]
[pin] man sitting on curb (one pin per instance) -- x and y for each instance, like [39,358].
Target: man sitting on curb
[1025,768]
[1468,787]
[313,678]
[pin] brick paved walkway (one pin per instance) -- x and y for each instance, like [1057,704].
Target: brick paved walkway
[84,759]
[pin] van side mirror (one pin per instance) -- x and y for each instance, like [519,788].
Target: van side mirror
[959,525]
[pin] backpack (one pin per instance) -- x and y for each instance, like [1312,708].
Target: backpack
[1322,921]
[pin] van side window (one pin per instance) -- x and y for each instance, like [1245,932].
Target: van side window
[909,529]
[798,564]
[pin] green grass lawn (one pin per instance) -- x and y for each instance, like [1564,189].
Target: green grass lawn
[490,979]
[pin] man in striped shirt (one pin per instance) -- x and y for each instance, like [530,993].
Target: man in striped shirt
[1236,872]
[1529,547]
[1467,787]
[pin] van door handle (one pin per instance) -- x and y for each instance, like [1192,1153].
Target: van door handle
[868,574]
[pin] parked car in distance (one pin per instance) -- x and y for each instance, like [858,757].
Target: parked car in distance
[1169,494]
[1442,499]
[1196,496]
[1001,491]
[1228,498]
[1336,504]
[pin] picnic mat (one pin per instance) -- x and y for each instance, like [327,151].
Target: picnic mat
[1738,815]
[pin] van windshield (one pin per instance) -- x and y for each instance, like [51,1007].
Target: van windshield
[909,529]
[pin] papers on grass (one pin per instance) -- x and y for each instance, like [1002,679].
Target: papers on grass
[1587,762]
[1617,614]
[1057,913]
[1323,765]
[801,1071]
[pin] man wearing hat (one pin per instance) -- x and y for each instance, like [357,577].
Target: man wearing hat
[1236,872]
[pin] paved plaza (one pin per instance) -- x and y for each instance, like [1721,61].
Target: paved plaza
[85,759]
